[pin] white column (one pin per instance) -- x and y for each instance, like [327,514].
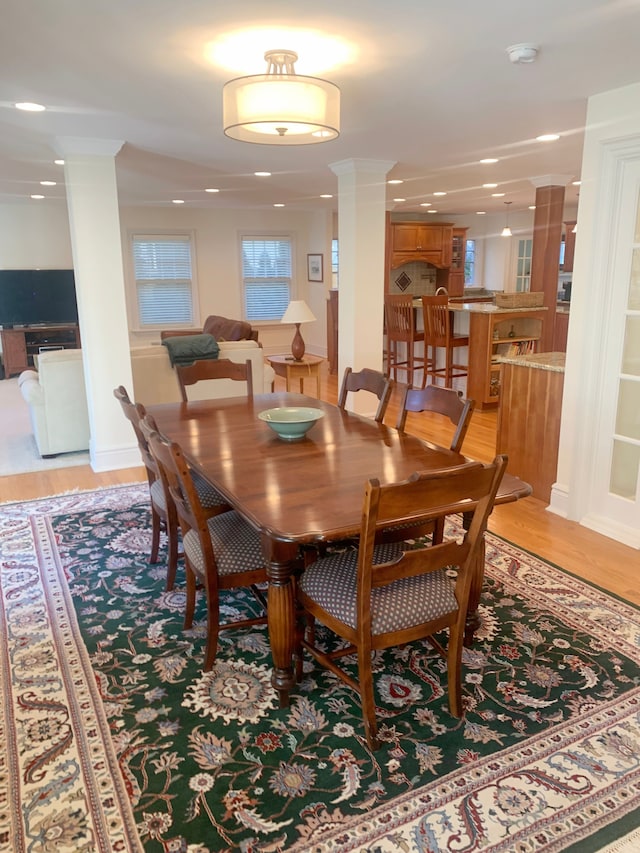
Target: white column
[94,221]
[361,244]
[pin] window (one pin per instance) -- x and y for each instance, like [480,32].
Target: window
[523,269]
[163,276]
[266,277]
[470,262]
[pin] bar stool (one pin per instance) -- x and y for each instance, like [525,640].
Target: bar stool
[401,329]
[438,333]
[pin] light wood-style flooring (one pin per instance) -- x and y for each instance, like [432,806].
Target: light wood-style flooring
[600,560]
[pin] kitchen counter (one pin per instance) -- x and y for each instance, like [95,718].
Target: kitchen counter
[489,308]
[553,361]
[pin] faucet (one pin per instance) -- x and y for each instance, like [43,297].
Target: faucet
[442,291]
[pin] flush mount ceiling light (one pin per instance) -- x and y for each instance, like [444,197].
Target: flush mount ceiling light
[281,107]
[506,231]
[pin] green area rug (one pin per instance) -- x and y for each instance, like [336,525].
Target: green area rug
[112,738]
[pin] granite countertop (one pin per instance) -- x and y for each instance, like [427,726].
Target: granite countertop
[553,361]
[488,308]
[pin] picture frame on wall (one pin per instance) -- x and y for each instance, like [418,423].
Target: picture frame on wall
[314,268]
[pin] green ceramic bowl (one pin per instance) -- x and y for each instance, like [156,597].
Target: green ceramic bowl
[291,423]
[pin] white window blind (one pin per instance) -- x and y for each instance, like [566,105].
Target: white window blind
[266,277]
[164,284]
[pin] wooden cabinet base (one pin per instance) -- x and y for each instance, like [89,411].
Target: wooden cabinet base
[529,424]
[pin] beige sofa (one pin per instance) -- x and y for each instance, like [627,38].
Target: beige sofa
[57,402]
[155,381]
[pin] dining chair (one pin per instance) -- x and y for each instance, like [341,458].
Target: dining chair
[377,598]
[400,325]
[370,380]
[222,552]
[441,401]
[163,513]
[221,368]
[438,334]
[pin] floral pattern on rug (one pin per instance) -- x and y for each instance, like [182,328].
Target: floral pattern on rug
[212,764]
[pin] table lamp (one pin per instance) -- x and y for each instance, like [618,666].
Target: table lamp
[297,312]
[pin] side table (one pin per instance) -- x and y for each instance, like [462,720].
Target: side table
[287,367]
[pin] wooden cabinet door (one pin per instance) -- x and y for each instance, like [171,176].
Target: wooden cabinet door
[14,351]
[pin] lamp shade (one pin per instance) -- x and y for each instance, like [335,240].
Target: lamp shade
[281,107]
[298,312]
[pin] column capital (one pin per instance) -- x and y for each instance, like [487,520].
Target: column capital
[67,146]
[551,181]
[362,165]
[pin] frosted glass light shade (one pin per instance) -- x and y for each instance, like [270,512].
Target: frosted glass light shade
[281,109]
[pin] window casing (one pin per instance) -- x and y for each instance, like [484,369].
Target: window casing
[165,292]
[266,276]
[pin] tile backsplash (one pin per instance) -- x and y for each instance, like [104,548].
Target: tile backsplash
[416,278]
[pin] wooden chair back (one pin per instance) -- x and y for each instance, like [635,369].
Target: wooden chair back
[370,380]
[399,317]
[443,401]
[135,412]
[220,368]
[436,320]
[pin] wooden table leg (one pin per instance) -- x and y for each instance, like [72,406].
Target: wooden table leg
[279,560]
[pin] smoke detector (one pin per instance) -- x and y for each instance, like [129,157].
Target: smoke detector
[524,52]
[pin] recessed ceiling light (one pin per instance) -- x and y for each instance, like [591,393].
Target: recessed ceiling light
[262,174]
[548,137]
[212,190]
[29,107]
[59,162]
[576,183]
[177,201]
[480,212]
[326,195]
[497,195]
[489,186]
[440,193]
[432,211]
[399,199]
[489,160]
[35,195]
[426,203]
[278,205]
[395,181]
[532,207]
[47,183]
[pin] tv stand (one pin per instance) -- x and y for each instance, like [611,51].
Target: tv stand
[20,345]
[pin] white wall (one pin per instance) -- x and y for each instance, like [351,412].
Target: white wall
[35,234]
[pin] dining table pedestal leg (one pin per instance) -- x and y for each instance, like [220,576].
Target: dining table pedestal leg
[280,559]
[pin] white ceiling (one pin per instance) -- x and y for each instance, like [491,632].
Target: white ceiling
[425,83]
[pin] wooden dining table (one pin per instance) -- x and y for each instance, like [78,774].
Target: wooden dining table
[299,493]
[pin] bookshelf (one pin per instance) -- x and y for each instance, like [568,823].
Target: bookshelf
[492,335]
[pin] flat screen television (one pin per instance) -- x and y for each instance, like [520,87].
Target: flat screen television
[34,297]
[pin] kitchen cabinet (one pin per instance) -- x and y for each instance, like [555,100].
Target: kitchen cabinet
[456,271]
[529,418]
[420,241]
[495,333]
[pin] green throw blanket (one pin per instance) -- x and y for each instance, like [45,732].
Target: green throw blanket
[185,349]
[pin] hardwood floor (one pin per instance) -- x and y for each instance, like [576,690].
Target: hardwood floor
[602,561]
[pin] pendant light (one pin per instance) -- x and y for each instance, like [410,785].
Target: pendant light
[506,231]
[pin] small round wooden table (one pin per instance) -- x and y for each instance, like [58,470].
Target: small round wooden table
[287,367]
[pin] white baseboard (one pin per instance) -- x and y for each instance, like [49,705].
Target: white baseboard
[610,528]
[114,458]
[559,504]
